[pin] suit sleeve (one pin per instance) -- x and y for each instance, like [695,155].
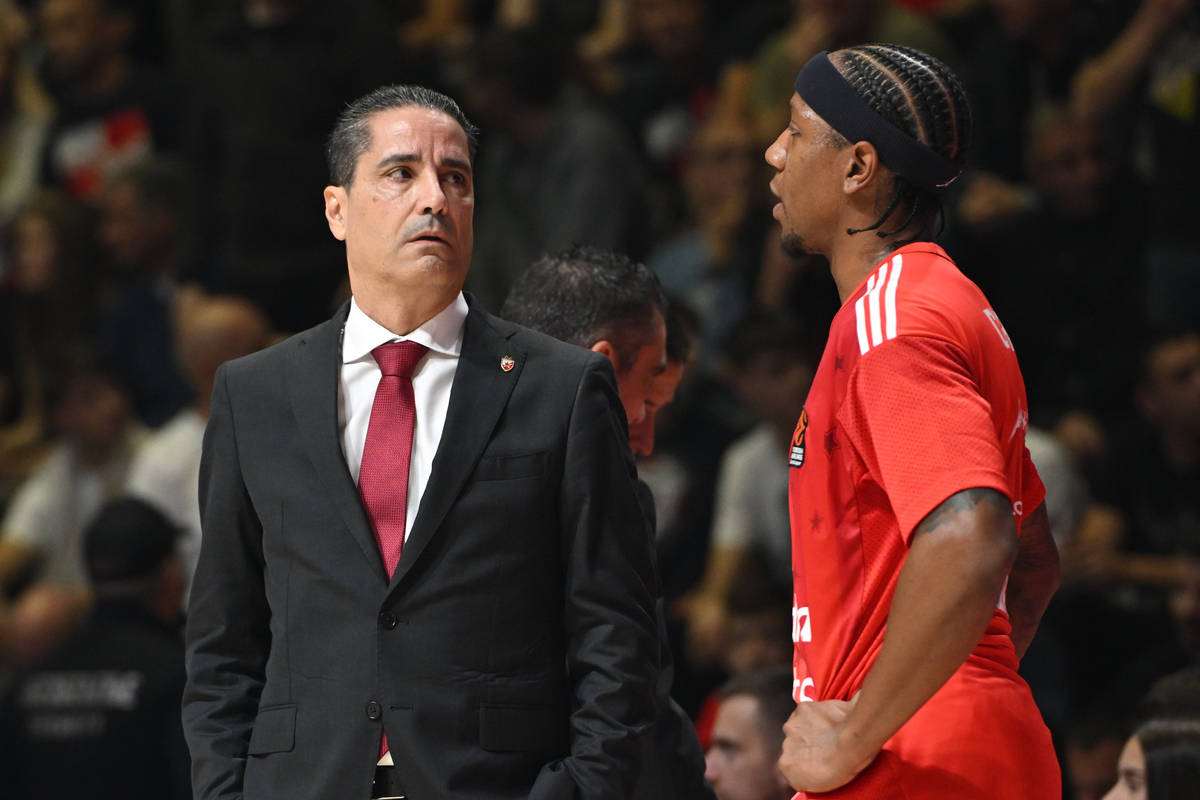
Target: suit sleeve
[609,614]
[228,632]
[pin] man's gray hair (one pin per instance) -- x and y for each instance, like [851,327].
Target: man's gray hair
[351,135]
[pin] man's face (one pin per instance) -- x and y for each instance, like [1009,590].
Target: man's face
[844,16]
[1023,19]
[94,413]
[134,234]
[1171,399]
[672,29]
[662,392]
[74,32]
[774,383]
[407,217]
[635,379]
[758,641]
[1070,168]
[740,763]
[807,182]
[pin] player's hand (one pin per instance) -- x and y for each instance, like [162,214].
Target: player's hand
[818,756]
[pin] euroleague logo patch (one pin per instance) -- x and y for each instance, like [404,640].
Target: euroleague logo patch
[796,459]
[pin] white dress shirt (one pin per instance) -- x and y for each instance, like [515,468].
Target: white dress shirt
[431,380]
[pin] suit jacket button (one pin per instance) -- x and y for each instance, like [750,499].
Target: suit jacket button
[387,620]
[374,712]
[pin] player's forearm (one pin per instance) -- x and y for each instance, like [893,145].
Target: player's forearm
[945,596]
[1033,580]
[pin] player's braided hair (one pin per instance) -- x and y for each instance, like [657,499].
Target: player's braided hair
[921,96]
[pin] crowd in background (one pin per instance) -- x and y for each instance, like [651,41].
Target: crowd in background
[161,174]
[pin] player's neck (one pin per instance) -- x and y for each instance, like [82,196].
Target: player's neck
[855,258]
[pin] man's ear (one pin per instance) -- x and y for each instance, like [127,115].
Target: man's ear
[605,348]
[335,211]
[862,168]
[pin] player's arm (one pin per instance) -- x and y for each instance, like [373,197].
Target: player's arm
[1033,579]
[961,554]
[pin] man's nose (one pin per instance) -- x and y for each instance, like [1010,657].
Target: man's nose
[432,199]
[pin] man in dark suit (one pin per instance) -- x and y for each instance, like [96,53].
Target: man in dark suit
[424,558]
[610,304]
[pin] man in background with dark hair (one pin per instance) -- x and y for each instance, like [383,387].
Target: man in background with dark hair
[99,717]
[144,216]
[747,737]
[424,558]
[609,303]
[41,536]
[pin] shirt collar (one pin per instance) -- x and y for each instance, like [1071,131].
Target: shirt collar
[441,334]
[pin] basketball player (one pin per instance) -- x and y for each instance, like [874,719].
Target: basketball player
[921,550]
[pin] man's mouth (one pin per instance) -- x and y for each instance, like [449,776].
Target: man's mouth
[430,237]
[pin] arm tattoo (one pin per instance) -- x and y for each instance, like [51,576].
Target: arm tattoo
[961,502]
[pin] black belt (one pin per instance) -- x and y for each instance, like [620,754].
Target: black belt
[387,785]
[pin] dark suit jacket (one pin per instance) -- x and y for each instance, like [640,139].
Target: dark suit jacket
[513,653]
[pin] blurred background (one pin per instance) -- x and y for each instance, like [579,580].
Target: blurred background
[161,171]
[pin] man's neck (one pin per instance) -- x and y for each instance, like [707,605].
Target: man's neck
[403,317]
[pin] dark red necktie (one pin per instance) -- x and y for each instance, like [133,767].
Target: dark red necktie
[383,475]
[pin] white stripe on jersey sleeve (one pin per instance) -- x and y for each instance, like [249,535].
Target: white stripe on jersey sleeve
[874,287]
[889,298]
[860,317]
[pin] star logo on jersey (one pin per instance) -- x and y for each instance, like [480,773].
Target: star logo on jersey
[831,442]
[839,364]
[816,522]
[796,455]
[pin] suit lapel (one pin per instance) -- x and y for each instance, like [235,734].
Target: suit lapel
[481,390]
[312,376]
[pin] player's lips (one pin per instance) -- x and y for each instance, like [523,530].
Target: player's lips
[775,212]
[434,238]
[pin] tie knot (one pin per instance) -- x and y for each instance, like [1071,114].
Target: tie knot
[398,359]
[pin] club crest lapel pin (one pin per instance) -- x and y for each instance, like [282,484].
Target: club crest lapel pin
[507,363]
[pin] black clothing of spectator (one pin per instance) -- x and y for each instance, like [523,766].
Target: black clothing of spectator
[90,138]
[139,339]
[99,718]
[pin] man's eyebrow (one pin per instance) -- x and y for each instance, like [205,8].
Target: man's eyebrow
[457,163]
[400,158]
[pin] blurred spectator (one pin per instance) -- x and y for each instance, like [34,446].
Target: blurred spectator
[143,229]
[771,370]
[100,715]
[1176,695]
[758,633]
[667,81]
[272,76]
[1155,482]
[712,266]
[25,113]
[166,472]
[1161,761]
[818,25]
[41,538]
[110,111]
[1092,750]
[45,307]
[747,737]
[1084,241]
[1066,489]
[1158,57]
[553,171]
[1023,63]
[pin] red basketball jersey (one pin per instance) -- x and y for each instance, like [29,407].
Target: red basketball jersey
[918,396]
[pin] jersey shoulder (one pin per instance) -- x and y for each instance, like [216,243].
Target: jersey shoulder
[918,292]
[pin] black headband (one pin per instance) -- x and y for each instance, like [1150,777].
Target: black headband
[831,96]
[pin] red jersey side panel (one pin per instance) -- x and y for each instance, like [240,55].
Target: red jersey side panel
[918,396]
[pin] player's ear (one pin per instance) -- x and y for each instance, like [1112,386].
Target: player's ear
[607,349]
[335,211]
[862,167]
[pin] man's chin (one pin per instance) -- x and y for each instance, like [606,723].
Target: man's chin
[793,245]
